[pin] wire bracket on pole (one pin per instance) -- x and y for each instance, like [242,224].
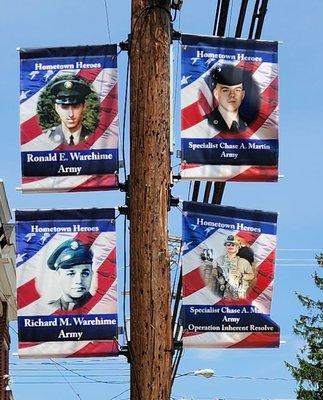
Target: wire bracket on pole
[176,4]
[174,201]
[176,35]
[123,186]
[124,351]
[123,210]
[176,177]
[124,46]
[178,344]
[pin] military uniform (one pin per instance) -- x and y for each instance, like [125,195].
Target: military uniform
[68,92]
[227,75]
[61,304]
[234,273]
[56,134]
[69,254]
[216,120]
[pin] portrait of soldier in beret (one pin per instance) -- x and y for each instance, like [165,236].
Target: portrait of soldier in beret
[229,92]
[68,109]
[72,261]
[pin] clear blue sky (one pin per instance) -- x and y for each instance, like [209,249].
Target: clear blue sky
[297,197]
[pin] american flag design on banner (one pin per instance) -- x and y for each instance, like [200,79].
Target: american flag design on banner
[229,101]
[66,283]
[228,261]
[63,152]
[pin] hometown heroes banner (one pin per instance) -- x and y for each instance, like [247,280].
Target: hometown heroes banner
[228,272]
[66,283]
[69,118]
[229,102]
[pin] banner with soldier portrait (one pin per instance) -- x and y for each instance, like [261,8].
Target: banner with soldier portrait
[69,118]
[229,107]
[228,261]
[66,283]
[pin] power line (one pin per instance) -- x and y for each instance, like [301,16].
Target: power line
[230,398]
[79,375]
[114,397]
[68,383]
[107,19]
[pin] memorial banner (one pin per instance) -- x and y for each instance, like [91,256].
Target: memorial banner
[66,283]
[69,118]
[229,102]
[228,272]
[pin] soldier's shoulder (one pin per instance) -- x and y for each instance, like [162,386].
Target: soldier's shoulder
[50,131]
[55,303]
[55,134]
[85,133]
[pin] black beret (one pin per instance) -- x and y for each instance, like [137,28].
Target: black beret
[70,91]
[71,252]
[227,74]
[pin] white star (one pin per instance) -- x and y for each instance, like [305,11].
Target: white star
[194,59]
[44,237]
[23,95]
[20,258]
[32,74]
[209,229]
[185,246]
[209,61]
[48,75]
[29,236]
[184,80]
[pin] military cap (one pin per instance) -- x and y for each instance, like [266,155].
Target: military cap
[227,74]
[231,239]
[69,253]
[70,91]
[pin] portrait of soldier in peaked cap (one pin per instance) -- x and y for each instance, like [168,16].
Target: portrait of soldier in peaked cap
[72,262]
[68,109]
[236,98]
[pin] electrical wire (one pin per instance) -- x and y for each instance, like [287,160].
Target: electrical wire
[237,377]
[125,279]
[79,375]
[229,398]
[107,19]
[176,70]
[125,107]
[114,397]
[69,383]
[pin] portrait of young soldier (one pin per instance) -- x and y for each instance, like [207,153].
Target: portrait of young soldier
[72,261]
[70,106]
[68,110]
[228,92]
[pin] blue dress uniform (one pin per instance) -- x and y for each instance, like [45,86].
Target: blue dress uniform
[71,253]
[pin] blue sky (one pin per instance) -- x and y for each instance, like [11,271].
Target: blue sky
[297,196]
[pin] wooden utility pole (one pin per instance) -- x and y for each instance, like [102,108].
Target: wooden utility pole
[150,326]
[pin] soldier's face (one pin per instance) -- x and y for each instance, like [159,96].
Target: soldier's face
[71,115]
[232,248]
[229,97]
[75,281]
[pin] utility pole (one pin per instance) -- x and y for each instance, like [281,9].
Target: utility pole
[150,325]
